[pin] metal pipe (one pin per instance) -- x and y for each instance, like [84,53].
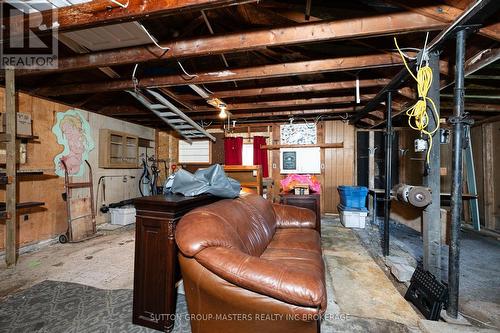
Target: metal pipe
[388,173]
[456,185]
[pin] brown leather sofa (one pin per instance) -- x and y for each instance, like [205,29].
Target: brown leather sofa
[252,266]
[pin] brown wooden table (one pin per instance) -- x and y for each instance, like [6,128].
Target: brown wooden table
[310,201]
[156,265]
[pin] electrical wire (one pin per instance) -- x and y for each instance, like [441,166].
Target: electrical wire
[164,48]
[120,4]
[192,76]
[135,81]
[418,117]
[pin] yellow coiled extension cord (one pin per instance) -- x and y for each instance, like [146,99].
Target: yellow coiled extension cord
[418,117]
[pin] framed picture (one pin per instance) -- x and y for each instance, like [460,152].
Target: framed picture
[289,160]
[298,134]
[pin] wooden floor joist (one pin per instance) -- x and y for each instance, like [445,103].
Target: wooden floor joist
[258,72]
[293,89]
[101,12]
[374,26]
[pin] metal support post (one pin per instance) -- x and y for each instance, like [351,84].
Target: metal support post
[456,185]
[388,173]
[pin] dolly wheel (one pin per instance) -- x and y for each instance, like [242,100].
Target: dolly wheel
[63,239]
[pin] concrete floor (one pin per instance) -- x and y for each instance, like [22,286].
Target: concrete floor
[361,288]
[104,262]
[479,296]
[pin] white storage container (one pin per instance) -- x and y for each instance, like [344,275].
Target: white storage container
[122,215]
[353,219]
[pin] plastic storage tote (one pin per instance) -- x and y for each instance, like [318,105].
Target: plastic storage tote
[352,217]
[353,196]
[122,216]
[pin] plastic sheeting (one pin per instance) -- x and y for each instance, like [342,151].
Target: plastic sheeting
[212,180]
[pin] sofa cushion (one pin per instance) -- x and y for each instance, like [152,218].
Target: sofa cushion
[296,239]
[281,280]
[304,260]
[247,224]
[294,217]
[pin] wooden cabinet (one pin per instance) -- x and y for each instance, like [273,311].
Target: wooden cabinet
[310,201]
[118,150]
[156,265]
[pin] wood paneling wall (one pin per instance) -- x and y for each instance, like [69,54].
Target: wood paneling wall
[339,163]
[43,223]
[487,160]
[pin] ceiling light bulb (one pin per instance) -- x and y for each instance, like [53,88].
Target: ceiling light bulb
[223,113]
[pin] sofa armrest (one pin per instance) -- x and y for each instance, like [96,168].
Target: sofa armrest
[294,217]
[280,281]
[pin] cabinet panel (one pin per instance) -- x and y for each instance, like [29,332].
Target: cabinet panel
[118,150]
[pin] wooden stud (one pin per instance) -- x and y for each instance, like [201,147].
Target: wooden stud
[488,177]
[10,167]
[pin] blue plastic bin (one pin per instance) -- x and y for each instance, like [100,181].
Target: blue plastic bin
[353,196]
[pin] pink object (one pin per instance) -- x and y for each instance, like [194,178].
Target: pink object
[288,183]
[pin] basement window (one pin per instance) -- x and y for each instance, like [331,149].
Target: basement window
[198,152]
[247,152]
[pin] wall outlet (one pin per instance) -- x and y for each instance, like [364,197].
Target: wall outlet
[26,217]
[125,179]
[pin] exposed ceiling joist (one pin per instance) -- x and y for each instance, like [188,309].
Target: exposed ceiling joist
[444,13]
[374,26]
[309,102]
[267,114]
[258,72]
[293,89]
[101,12]
[475,13]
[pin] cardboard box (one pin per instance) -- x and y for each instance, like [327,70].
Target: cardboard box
[23,123]
[301,189]
[21,157]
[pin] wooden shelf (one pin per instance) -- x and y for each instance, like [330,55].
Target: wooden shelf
[6,137]
[320,145]
[4,179]
[20,205]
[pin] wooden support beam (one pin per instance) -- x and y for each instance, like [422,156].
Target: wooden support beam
[444,13]
[268,114]
[373,26]
[101,12]
[319,145]
[471,107]
[10,167]
[259,72]
[310,102]
[488,176]
[293,89]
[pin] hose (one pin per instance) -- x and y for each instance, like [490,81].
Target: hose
[418,117]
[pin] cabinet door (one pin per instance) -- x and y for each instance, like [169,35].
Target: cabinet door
[131,151]
[116,143]
[118,150]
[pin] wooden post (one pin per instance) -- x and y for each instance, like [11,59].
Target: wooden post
[11,160]
[488,174]
[431,217]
